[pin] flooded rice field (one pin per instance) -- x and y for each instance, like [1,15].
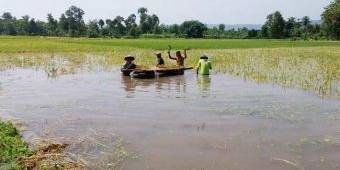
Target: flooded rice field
[185,123]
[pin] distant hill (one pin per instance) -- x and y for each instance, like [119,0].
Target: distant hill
[237,26]
[250,26]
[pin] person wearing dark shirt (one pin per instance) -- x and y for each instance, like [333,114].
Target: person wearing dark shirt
[129,64]
[160,60]
[179,58]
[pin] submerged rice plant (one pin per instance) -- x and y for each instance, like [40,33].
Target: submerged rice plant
[311,68]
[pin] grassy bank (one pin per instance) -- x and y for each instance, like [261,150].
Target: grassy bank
[47,44]
[11,147]
[16,155]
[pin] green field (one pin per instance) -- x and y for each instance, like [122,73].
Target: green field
[42,44]
[311,65]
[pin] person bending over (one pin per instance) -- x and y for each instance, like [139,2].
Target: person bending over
[204,66]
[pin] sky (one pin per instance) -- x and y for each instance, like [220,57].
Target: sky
[172,11]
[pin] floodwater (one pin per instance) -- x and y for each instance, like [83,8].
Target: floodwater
[173,123]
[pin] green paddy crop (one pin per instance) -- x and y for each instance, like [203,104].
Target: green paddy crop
[47,44]
[310,65]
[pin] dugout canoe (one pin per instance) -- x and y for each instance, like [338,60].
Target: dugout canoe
[143,74]
[157,72]
[164,72]
[126,72]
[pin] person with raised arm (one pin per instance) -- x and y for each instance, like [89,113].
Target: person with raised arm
[179,58]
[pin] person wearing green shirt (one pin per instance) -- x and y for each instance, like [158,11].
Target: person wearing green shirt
[204,66]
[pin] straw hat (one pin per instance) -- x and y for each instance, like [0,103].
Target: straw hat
[129,57]
[204,56]
[158,53]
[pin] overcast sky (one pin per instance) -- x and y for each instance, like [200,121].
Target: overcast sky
[172,11]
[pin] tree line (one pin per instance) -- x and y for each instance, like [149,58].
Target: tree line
[71,23]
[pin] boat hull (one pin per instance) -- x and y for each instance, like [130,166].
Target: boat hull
[126,72]
[143,74]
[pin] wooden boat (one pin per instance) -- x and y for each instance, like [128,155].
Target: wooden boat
[143,74]
[126,72]
[164,72]
[152,73]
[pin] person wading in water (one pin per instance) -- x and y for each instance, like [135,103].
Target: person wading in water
[204,66]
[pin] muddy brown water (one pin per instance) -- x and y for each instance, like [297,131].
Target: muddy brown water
[174,123]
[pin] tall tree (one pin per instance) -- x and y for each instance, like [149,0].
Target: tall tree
[252,33]
[93,29]
[130,21]
[7,16]
[119,28]
[52,25]
[174,29]
[221,27]
[331,20]
[306,27]
[289,27]
[63,24]
[76,24]
[151,23]
[264,31]
[305,21]
[116,27]
[101,23]
[9,24]
[33,27]
[22,25]
[131,25]
[143,16]
[193,29]
[274,25]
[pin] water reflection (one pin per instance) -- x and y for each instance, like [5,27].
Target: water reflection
[176,85]
[204,83]
[334,87]
[128,84]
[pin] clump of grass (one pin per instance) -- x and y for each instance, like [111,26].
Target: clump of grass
[120,155]
[12,147]
[49,156]
[15,154]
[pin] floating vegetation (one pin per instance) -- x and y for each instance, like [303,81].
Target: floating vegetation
[100,150]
